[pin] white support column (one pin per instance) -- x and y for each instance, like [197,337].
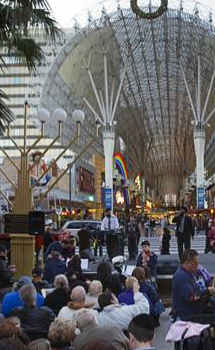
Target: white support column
[199,92]
[199,143]
[107,109]
[108,141]
[201,121]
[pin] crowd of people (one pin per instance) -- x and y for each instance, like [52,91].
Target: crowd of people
[68,311]
[58,307]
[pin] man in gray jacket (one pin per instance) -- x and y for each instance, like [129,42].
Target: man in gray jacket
[90,330]
[114,314]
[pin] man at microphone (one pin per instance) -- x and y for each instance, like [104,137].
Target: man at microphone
[110,225]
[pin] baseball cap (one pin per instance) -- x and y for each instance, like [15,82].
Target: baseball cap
[22,281]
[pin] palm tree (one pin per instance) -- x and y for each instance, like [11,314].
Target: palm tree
[17,18]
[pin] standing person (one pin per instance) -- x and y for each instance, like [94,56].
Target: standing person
[165,243]
[184,230]
[132,232]
[206,226]
[141,332]
[110,224]
[152,226]
[47,238]
[187,298]
[211,236]
[84,243]
[6,273]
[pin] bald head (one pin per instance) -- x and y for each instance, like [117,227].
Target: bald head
[78,294]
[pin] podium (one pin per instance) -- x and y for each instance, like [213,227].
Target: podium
[113,242]
[22,253]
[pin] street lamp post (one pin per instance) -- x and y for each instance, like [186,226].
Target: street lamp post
[24,189]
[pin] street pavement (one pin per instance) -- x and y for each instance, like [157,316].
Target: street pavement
[161,331]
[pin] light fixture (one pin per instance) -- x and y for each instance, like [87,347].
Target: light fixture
[60,115]
[78,116]
[43,115]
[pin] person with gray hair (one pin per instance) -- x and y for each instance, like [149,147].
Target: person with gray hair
[95,289]
[77,303]
[39,344]
[60,296]
[90,331]
[34,321]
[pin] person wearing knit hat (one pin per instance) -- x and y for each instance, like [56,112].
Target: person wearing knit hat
[141,331]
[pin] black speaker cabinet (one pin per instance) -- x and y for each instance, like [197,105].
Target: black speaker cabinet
[36,222]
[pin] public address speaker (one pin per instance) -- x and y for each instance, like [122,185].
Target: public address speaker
[36,222]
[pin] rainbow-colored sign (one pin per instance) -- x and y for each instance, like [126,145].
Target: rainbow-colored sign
[122,168]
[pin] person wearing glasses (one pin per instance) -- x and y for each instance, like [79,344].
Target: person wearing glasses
[187,297]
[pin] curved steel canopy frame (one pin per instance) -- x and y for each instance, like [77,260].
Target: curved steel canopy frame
[154,115]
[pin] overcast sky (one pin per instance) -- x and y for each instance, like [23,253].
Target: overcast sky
[66,10]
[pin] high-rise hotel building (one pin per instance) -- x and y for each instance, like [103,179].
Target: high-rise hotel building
[19,84]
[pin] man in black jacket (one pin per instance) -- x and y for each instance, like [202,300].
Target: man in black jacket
[34,321]
[184,230]
[132,233]
[6,274]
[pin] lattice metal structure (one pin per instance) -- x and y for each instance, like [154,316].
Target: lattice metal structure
[154,115]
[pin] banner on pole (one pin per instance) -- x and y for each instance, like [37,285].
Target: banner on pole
[108,198]
[201,198]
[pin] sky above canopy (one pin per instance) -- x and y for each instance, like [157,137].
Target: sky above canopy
[66,10]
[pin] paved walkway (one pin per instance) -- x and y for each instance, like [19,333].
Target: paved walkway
[161,332]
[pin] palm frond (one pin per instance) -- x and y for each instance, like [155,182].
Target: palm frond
[29,3]
[3,63]
[42,17]
[6,115]
[24,15]
[6,22]
[26,50]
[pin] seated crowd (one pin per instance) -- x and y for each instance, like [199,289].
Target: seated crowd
[59,308]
